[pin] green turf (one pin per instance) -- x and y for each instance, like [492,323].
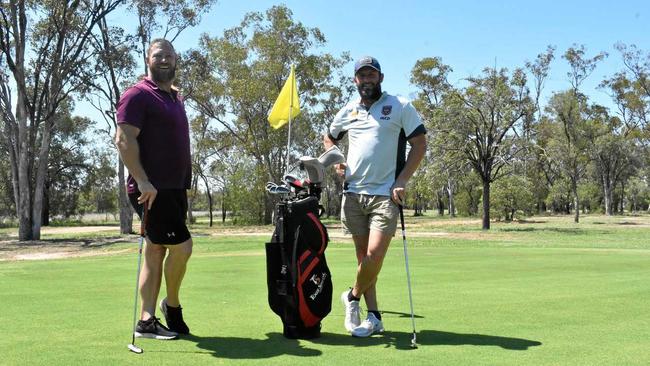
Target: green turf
[540,293]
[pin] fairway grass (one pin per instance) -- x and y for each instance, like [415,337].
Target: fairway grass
[537,293]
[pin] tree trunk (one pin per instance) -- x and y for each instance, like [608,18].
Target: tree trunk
[41,174]
[210,207]
[191,198]
[223,205]
[622,197]
[576,201]
[267,217]
[441,205]
[607,193]
[450,195]
[209,194]
[45,215]
[486,205]
[417,207]
[24,203]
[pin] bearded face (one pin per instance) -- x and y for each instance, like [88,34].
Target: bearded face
[162,74]
[368,81]
[162,62]
[369,90]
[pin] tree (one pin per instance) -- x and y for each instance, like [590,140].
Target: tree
[614,154]
[570,108]
[247,68]
[114,68]
[491,108]
[512,194]
[568,149]
[444,163]
[69,165]
[174,15]
[43,47]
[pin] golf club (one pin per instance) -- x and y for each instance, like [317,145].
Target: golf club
[143,223]
[408,276]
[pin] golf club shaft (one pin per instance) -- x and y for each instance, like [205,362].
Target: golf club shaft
[143,224]
[408,274]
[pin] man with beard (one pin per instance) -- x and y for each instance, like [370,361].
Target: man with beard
[376,172]
[154,143]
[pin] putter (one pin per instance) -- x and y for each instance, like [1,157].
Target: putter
[408,276]
[143,223]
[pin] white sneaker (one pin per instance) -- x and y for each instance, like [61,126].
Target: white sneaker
[368,327]
[352,311]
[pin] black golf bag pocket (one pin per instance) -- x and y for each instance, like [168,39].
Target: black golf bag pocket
[298,279]
[277,277]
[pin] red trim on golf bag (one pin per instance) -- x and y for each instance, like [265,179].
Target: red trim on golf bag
[321,229]
[305,313]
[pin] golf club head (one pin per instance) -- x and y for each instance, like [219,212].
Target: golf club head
[273,188]
[135,349]
[280,190]
[294,182]
[414,344]
[331,156]
[314,168]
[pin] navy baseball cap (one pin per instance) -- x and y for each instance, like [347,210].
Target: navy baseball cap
[366,61]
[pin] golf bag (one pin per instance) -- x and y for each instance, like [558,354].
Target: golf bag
[299,281]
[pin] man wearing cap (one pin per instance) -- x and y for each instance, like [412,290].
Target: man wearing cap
[378,126]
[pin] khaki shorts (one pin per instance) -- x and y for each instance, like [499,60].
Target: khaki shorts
[361,213]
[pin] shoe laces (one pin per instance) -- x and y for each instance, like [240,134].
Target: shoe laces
[370,323]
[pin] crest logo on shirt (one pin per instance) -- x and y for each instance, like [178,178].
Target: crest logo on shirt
[385,111]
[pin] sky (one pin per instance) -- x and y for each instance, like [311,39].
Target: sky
[468,35]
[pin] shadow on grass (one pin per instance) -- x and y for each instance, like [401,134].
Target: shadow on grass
[402,340]
[247,348]
[571,231]
[401,315]
[530,221]
[277,345]
[628,223]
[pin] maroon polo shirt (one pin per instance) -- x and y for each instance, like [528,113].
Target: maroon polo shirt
[164,138]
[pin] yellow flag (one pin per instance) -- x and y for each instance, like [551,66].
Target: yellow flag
[287,103]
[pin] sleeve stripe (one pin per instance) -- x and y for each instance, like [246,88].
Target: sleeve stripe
[420,130]
[336,138]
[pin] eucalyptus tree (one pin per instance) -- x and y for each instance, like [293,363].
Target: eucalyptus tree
[244,71]
[168,18]
[568,148]
[43,50]
[569,109]
[114,69]
[615,154]
[633,91]
[490,109]
[443,165]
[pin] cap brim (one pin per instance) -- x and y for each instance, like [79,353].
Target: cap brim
[364,66]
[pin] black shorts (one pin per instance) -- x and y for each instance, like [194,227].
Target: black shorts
[166,218]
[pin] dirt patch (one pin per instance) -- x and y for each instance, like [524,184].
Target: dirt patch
[14,250]
[69,230]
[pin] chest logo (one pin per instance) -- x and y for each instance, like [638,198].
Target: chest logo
[385,110]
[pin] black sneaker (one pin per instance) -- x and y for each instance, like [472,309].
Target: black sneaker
[152,328]
[174,318]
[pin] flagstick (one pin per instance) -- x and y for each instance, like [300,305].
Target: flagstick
[288,140]
[286,171]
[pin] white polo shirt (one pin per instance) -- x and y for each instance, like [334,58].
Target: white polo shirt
[377,142]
